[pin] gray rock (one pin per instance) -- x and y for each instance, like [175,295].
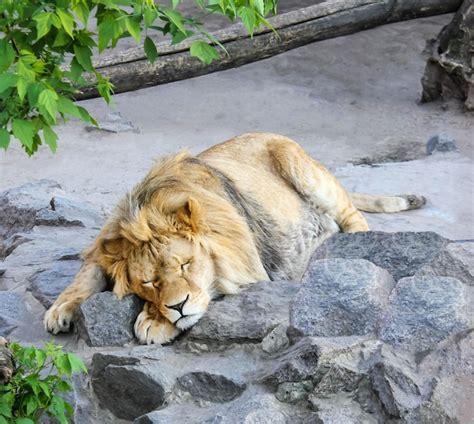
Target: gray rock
[42,202]
[311,357]
[294,392]
[340,408]
[425,310]
[128,391]
[13,312]
[396,383]
[401,254]
[450,370]
[440,143]
[47,285]
[254,406]
[246,317]
[210,387]
[276,340]
[340,297]
[456,261]
[104,320]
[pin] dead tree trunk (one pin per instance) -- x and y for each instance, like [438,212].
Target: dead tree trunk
[6,362]
[449,69]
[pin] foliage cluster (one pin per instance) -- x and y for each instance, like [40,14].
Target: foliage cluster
[46,53]
[40,380]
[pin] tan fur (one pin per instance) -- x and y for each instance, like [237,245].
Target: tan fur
[193,229]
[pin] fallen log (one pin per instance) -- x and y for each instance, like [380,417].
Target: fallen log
[449,71]
[6,362]
[130,70]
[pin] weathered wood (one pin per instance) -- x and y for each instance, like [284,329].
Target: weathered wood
[6,362]
[129,70]
[449,71]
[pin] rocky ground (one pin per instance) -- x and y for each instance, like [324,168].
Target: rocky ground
[380,331]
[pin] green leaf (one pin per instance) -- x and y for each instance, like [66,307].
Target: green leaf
[5,409]
[40,356]
[248,18]
[48,101]
[83,56]
[204,52]
[34,91]
[24,131]
[67,20]
[76,363]
[150,49]
[31,405]
[86,117]
[67,107]
[22,87]
[259,5]
[133,28]
[82,12]
[24,70]
[7,55]
[23,421]
[7,80]
[3,420]
[4,142]
[176,18]
[175,3]
[63,365]
[106,33]
[43,24]
[50,138]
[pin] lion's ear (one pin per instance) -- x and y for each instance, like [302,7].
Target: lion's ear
[190,215]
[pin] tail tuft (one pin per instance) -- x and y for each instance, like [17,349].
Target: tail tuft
[413,201]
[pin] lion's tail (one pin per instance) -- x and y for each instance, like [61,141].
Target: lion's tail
[386,204]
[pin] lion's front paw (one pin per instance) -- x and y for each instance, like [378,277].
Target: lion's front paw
[58,318]
[151,330]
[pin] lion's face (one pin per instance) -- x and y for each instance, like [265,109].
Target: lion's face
[176,276]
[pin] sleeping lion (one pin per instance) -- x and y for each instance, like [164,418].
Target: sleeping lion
[250,209]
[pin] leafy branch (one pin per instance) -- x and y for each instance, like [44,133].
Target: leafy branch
[41,378]
[46,50]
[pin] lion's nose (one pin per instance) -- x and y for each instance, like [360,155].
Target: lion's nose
[179,306]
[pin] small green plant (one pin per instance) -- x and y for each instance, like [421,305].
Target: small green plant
[41,378]
[46,52]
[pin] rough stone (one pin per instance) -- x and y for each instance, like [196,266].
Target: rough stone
[401,254]
[254,406]
[42,202]
[128,391]
[340,408]
[425,310]
[456,261]
[104,320]
[396,383]
[276,340]
[210,387]
[248,316]
[340,297]
[450,370]
[440,143]
[294,392]
[46,285]
[13,312]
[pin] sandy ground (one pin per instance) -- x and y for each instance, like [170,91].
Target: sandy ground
[343,99]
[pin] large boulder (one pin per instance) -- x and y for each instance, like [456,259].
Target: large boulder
[340,297]
[13,312]
[456,261]
[425,310]
[46,285]
[401,254]
[105,320]
[246,317]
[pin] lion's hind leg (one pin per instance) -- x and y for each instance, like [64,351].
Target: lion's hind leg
[316,184]
[89,280]
[151,327]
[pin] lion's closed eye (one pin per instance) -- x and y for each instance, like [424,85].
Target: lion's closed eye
[185,266]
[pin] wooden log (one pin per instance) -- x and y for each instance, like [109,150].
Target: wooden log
[6,362]
[130,70]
